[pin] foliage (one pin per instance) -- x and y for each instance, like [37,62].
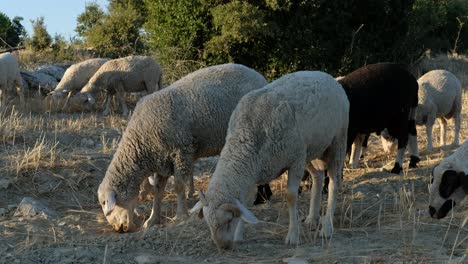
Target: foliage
[41,39]
[118,32]
[12,33]
[92,16]
[180,24]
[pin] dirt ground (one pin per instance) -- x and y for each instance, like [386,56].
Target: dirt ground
[59,159]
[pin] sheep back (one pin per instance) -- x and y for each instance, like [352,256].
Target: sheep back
[442,90]
[77,75]
[190,116]
[380,96]
[133,73]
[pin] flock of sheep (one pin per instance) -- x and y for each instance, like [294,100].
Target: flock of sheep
[305,120]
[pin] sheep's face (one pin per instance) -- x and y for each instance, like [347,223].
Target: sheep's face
[223,220]
[120,214]
[389,143]
[448,187]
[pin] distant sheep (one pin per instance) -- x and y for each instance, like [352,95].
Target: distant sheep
[440,97]
[120,76]
[449,183]
[382,96]
[168,131]
[76,77]
[297,122]
[11,83]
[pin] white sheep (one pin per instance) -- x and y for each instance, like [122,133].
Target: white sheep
[11,83]
[297,122]
[76,77]
[449,183]
[440,97]
[119,76]
[168,131]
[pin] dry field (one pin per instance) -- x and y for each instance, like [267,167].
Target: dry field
[59,159]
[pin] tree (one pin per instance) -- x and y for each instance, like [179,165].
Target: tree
[4,26]
[16,34]
[118,32]
[41,38]
[92,16]
[183,25]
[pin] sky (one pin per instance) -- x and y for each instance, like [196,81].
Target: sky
[59,15]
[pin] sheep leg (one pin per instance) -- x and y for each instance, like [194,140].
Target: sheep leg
[443,130]
[191,188]
[182,171]
[456,132]
[312,219]
[159,187]
[107,106]
[295,173]
[429,137]
[413,139]
[365,140]
[123,104]
[356,151]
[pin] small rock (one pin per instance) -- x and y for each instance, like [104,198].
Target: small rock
[4,183]
[30,207]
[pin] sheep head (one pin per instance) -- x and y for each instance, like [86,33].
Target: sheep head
[223,219]
[449,186]
[119,213]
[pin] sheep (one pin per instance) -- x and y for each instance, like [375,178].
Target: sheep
[382,96]
[115,77]
[449,183]
[168,131]
[297,122]
[76,77]
[440,97]
[11,82]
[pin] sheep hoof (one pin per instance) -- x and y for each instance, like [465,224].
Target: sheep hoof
[311,222]
[396,168]
[292,238]
[414,161]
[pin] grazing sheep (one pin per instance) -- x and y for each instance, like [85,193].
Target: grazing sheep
[11,83]
[449,183]
[297,122]
[440,96]
[119,76]
[382,96]
[168,131]
[76,77]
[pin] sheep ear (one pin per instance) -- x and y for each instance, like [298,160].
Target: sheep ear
[197,207]
[110,203]
[246,215]
[464,181]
